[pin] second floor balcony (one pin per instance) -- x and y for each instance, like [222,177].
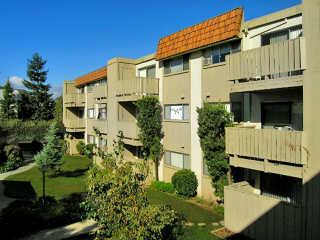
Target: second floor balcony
[130,132]
[135,88]
[74,100]
[75,125]
[268,150]
[278,65]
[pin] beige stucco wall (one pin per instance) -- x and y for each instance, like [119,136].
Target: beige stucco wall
[177,136]
[215,86]
[176,88]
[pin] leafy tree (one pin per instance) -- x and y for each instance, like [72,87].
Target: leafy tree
[39,91]
[213,119]
[117,200]
[8,103]
[58,109]
[24,105]
[50,158]
[150,124]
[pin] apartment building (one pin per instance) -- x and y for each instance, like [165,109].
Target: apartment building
[265,72]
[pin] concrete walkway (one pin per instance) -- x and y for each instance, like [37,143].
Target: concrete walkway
[4,200]
[73,230]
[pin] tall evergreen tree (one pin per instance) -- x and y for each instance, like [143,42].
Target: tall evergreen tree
[24,105]
[43,104]
[8,103]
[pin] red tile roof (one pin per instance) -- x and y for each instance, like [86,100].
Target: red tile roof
[91,77]
[214,30]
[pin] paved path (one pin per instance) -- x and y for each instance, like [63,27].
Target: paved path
[73,230]
[4,200]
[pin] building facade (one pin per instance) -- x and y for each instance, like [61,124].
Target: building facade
[264,71]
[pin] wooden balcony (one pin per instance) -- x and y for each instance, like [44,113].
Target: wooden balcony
[130,131]
[279,65]
[137,87]
[268,150]
[74,100]
[76,125]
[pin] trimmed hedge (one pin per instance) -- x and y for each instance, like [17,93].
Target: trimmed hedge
[16,131]
[185,183]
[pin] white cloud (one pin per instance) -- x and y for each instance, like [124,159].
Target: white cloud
[16,82]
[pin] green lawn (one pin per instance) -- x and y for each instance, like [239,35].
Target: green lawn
[193,213]
[72,179]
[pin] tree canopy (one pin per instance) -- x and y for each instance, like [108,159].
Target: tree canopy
[43,105]
[8,103]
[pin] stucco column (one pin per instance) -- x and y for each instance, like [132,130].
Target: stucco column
[311,126]
[195,102]
[160,74]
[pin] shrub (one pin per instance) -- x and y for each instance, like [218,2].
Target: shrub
[162,186]
[213,119]
[14,158]
[185,183]
[117,200]
[81,147]
[89,150]
[14,131]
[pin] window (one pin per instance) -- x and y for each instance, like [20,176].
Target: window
[91,139]
[217,54]
[178,160]
[276,114]
[102,82]
[236,109]
[91,113]
[80,90]
[90,87]
[285,188]
[102,142]
[102,113]
[149,71]
[176,112]
[176,65]
[282,35]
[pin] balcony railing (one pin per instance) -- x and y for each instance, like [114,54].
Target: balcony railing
[271,144]
[74,100]
[139,86]
[285,58]
[77,124]
[130,130]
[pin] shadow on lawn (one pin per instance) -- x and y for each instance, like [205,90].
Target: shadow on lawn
[75,173]
[19,190]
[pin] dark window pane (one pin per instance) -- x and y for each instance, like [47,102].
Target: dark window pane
[186,62]
[276,114]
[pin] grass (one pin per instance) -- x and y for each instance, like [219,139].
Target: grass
[191,212]
[72,179]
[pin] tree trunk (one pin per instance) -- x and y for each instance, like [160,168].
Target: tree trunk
[43,188]
[156,170]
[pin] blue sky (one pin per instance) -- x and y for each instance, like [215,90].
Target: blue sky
[78,36]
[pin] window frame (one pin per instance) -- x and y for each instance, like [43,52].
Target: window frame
[185,112]
[287,30]
[93,113]
[184,64]
[185,158]
[216,52]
